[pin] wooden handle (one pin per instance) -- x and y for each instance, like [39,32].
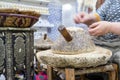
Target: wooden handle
[64,33]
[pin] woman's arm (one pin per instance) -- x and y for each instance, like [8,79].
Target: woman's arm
[115,27]
[103,27]
[99,3]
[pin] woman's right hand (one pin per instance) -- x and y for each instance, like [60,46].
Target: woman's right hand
[84,18]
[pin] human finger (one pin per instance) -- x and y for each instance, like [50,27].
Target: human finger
[76,19]
[94,31]
[94,25]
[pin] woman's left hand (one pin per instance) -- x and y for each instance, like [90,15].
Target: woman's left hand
[99,28]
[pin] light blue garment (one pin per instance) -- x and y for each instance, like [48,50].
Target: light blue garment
[109,11]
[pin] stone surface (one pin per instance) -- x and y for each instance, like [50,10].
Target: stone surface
[41,44]
[80,52]
[94,58]
[81,42]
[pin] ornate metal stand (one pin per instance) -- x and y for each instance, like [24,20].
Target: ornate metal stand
[16,52]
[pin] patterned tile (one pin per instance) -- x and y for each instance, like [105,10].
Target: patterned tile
[55,18]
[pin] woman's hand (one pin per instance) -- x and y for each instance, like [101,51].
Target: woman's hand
[99,28]
[84,18]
